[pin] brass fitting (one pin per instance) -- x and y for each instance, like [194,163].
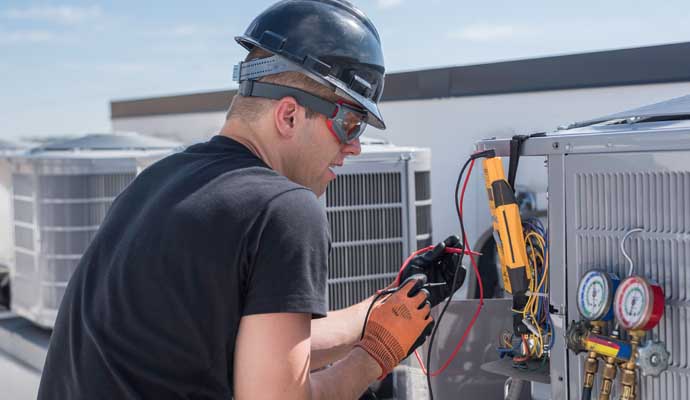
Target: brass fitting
[628,369]
[609,374]
[592,362]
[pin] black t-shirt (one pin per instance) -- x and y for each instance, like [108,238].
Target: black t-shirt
[197,241]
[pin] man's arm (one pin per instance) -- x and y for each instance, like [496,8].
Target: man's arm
[332,337]
[272,351]
[272,361]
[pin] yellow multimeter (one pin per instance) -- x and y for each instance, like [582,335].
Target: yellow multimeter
[507,226]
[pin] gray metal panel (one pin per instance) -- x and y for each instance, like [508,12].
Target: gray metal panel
[652,136]
[611,194]
[558,283]
[463,378]
[409,206]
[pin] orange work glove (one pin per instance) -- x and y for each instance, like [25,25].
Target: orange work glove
[398,324]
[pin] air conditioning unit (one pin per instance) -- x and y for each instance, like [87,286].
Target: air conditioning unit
[606,178]
[379,210]
[7,149]
[61,193]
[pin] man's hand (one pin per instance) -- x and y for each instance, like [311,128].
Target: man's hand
[439,267]
[398,324]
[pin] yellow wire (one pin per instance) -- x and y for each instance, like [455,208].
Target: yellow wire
[536,244]
[532,300]
[538,258]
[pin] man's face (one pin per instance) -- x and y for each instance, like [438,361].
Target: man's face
[321,153]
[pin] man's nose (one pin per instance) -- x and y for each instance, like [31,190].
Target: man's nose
[353,148]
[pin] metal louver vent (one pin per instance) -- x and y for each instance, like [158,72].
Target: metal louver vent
[605,206]
[372,210]
[64,211]
[365,189]
[615,201]
[357,224]
[422,183]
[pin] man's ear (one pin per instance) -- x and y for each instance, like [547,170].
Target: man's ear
[286,116]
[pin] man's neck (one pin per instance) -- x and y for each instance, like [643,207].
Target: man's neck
[248,136]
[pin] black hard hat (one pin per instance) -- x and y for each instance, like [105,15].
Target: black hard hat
[331,41]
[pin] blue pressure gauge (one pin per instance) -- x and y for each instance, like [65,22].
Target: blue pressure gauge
[595,295]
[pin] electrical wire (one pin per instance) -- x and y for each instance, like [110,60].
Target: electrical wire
[461,342]
[465,250]
[458,209]
[397,282]
[535,313]
[371,305]
[424,250]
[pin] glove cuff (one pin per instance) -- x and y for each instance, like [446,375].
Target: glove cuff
[382,346]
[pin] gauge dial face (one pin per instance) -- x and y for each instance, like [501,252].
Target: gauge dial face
[633,303]
[594,295]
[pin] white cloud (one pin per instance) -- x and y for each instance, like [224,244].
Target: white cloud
[55,14]
[387,4]
[27,37]
[488,32]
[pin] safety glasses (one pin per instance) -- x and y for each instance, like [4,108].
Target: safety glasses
[346,121]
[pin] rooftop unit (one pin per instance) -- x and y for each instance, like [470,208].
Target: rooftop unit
[379,210]
[7,149]
[607,178]
[61,193]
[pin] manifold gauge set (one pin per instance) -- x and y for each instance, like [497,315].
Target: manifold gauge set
[635,305]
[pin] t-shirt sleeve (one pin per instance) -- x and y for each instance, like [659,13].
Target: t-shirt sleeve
[288,270]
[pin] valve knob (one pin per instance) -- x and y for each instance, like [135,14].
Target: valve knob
[652,358]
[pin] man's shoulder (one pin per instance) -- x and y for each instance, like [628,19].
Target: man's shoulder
[260,181]
[260,189]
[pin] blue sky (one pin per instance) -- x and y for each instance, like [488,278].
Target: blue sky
[62,62]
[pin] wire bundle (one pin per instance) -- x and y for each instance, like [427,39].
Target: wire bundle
[535,315]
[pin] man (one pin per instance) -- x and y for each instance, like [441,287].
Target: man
[203,279]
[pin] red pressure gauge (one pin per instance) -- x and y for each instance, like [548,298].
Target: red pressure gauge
[639,304]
